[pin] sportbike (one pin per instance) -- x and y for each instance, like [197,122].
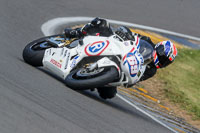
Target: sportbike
[91,62]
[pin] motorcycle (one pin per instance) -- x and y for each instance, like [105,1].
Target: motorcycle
[91,62]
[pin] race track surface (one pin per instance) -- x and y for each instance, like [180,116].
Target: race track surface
[31,101]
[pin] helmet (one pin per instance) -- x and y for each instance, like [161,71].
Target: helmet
[99,22]
[98,25]
[164,54]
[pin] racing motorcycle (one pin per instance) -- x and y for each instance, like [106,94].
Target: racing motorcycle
[91,62]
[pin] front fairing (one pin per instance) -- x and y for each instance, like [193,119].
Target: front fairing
[103,46]
[133,63]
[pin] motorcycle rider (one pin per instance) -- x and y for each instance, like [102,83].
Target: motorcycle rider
[163,55]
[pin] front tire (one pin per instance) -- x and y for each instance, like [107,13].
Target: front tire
[76,82]
[33,53]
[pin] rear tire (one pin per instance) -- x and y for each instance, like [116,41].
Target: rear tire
[106,76]
[107,92]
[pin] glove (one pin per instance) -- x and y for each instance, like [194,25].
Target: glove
[70,33]
[67,32]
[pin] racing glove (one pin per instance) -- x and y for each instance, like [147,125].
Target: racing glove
[72,33]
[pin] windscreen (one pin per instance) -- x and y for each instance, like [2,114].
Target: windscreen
[146,50]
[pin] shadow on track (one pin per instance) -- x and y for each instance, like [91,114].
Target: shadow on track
[93,95]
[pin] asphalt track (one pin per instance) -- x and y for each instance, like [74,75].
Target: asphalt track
[31,101]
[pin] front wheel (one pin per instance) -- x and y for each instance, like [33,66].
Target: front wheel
[33,53]
[81,79]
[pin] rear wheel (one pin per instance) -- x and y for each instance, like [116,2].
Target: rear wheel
[82,79]
[33,53]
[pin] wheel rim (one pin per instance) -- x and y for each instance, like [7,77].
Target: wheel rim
[85,73]
[40,46]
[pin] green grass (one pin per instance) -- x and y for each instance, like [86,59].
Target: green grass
[182,80]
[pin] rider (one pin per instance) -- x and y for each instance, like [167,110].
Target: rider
[164,52]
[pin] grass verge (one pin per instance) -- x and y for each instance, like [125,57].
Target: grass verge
[182,80]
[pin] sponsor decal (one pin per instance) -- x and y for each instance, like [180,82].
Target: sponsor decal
[133,49]
[126,43]
[74,62]
[96,48]
[56,63]
[134,63]
[67,60]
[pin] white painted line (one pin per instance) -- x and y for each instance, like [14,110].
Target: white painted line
[49,26]
[147,114]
